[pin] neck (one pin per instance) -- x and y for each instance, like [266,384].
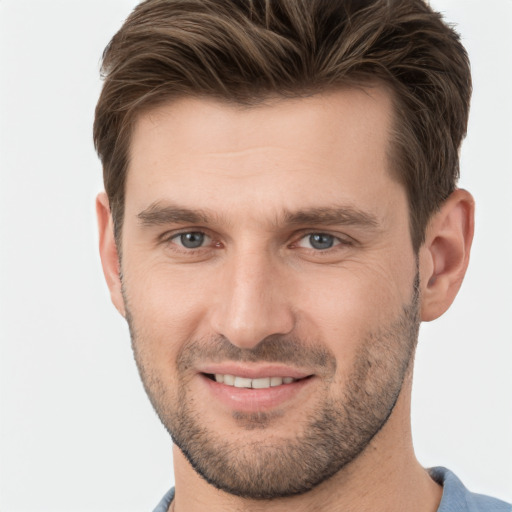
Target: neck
[385,477]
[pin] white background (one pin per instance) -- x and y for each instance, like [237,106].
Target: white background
[77,432]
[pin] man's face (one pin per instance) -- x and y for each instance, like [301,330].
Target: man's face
[268,248]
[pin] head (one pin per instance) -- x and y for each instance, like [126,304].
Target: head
[280,181]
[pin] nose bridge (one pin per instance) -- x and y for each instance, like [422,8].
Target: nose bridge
[252,302]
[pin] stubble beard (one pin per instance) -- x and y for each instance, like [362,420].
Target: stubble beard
[334,433]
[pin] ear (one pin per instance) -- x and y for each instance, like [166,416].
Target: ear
[444,256]
[108,251]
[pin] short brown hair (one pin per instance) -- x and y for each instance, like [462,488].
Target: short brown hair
[243,51]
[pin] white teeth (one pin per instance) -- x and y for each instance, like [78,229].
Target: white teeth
[241,382]
[261,383]
[229,380]
[276,381]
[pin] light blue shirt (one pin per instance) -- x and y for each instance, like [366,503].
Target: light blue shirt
[456,498]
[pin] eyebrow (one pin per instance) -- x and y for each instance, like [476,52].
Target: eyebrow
[347,216]
[157,214]
[160,213]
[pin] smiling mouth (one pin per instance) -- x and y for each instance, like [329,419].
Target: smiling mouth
[244,382]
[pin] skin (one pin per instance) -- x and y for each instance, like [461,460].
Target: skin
[258,277]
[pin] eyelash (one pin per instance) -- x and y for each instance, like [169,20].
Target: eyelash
[338,241]
[170,240]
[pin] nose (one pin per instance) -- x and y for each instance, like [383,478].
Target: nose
[253,300]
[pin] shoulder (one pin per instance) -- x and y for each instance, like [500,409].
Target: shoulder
[456,498]
[163,506]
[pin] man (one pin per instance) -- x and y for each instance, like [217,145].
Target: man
[280,214]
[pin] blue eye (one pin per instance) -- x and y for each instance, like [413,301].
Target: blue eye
[191,240]
[319,241]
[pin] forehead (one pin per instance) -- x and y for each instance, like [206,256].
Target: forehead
[320,149]
[320,119]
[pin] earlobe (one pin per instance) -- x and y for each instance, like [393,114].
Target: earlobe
[444,256]
[108,251]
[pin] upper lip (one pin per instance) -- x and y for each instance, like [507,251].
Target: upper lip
[249,371]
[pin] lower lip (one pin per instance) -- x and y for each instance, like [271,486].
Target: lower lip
[253,400]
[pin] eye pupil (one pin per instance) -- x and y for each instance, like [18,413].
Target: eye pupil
[321,241]
[192,240]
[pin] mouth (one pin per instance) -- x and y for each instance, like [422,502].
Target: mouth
[249,383]
[252,389]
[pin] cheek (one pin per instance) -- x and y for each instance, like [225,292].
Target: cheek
[343,307]
[166,307]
